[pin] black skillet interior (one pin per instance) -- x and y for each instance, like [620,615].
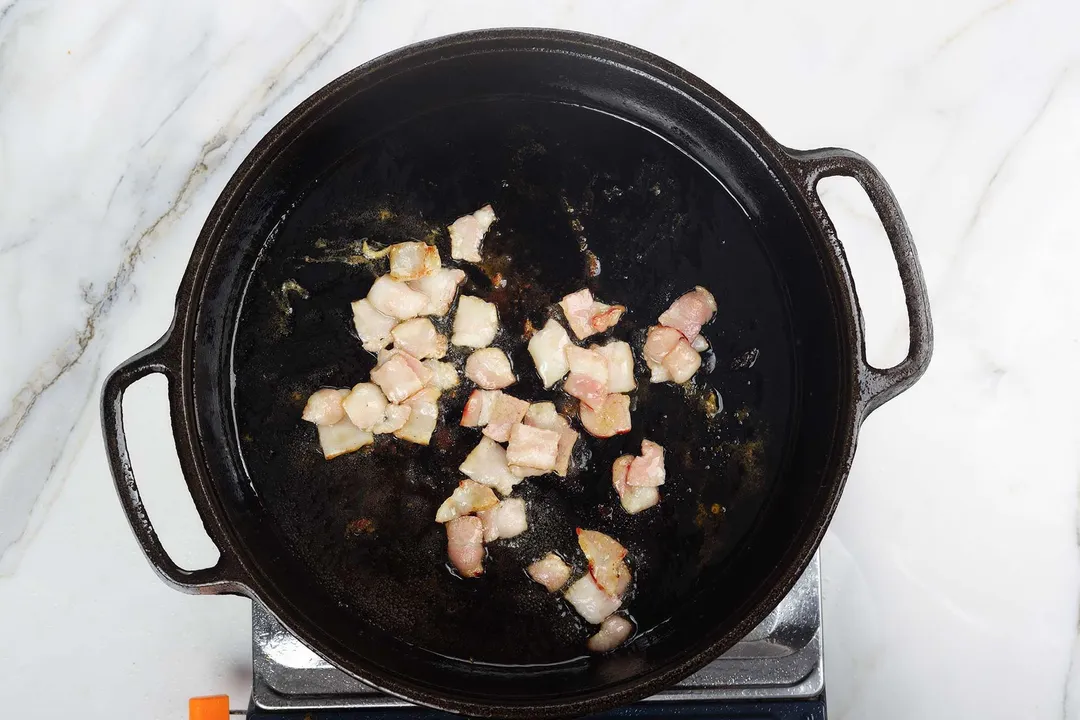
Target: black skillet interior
[638,195]
[561,179]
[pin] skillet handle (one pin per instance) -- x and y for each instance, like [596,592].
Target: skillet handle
[156,359]
[876,385]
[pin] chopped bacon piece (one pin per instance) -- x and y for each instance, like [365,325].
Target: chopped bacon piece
[468,497]
[588,380]
[533,447]
[620,365]
[413,260]
[324,407]
[682,362]
[467,234]
[396,378]
[372,326]
[550,571]
[633,499]
[543,415]
[647,470]
[478,408]
[618,579]
[636,499]
[422,371]
[490,369]
[396,299]
[613,632]
[605,317]
[613,417]
[423,416]
[587,362]
[600,548]
[506,412]
[619,469]
[657,372]
[577,307]
[440,288]
[395,419]
[443,374]
[660,341]
[475,322]
[365,405]
[419,338]
[567,439]
[689,312]
[342,437]
[486,464]
[465,545]
[505,520]
[587,316]
[548,350]
[605,556]
[659,344]
[591,602]
[588,390]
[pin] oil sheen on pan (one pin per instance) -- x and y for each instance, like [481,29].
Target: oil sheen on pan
[583,199]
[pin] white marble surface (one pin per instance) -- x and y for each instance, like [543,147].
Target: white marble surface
[951,570]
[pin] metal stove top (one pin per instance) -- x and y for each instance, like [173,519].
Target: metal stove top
[780,660]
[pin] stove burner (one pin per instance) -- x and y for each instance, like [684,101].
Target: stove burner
[780,659]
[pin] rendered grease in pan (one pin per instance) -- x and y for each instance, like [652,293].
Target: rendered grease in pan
[607,205]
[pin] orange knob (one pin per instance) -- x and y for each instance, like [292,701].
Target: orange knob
[213,707]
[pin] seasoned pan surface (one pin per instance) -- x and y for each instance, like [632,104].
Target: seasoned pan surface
[584,199]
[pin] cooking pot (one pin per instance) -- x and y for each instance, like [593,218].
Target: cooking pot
[609,168]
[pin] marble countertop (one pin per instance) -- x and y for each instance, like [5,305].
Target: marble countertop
[951,571]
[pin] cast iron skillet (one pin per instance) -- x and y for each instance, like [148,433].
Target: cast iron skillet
[609,168]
